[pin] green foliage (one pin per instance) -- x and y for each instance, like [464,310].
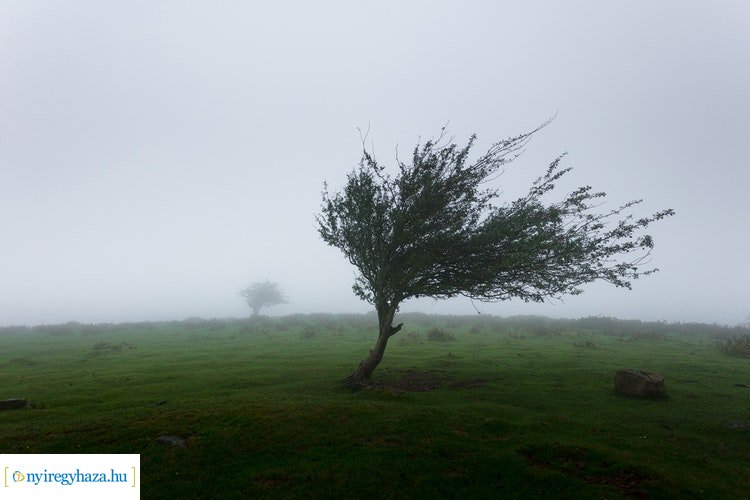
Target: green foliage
[738,346]
[308,333]
[439,335]
[433,230]
[101,347]
[263,294]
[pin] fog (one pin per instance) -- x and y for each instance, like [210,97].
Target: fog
[157,157]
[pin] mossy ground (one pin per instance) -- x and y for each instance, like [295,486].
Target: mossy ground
[502,411]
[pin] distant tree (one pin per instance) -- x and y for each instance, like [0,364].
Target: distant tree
[263,294]
[432,230]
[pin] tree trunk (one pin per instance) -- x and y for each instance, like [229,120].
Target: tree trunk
[362,375]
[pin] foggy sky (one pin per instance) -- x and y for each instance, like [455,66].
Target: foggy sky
[157,157]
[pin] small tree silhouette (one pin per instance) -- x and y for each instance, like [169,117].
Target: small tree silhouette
[263,294]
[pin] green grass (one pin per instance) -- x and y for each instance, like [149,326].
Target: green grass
[514,410]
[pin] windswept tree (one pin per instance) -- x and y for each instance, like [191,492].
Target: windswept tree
[263,294]
[433,230]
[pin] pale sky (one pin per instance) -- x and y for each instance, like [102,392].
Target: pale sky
[158,156]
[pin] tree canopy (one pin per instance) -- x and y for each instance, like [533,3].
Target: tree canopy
[433,230]
[263,294]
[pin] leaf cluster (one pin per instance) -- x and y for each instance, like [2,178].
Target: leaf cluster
[432,230]
[263,294]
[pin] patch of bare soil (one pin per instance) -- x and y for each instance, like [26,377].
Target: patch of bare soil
[412,380]
[418,381]
[589,466]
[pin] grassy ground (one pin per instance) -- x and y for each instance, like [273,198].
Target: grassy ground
[500,410]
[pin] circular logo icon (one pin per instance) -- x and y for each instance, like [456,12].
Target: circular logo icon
[19,476]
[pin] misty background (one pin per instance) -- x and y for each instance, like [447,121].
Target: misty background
[157,157]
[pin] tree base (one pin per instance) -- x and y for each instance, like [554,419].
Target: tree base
[356,382]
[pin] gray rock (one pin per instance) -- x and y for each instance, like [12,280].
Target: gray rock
[173,440]
[639,384]
[736,424]
[13,404]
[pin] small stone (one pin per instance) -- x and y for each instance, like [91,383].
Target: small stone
[173,440]
[13,404]
[736,424]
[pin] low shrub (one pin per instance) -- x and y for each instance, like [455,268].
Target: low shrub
[308,333]
[56,330]
[647,336]
[439,335]
[587,344]
[253,330]
[738,346]
[100,347]
[410,337]
[216,325]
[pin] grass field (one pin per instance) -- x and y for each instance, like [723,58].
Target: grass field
[493,408]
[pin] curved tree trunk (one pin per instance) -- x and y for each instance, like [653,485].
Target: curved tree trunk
[362,375]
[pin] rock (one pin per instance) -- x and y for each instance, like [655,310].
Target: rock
[639,384]
[13,404]
[736,424]
[173,440]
